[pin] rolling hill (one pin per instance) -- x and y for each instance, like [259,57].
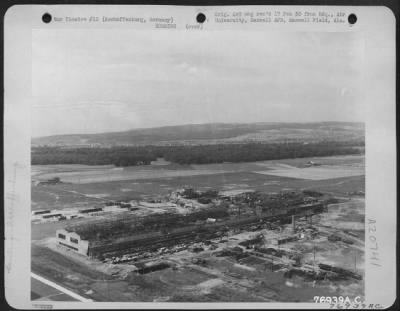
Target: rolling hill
[213,133]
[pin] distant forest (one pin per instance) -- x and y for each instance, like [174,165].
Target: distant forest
[191,154]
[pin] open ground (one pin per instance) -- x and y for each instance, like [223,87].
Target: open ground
[138,182]
[82,174]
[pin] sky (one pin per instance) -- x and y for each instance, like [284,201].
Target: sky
[97,80]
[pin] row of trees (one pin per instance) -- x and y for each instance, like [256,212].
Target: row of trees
[118,156]
[196,154]
[253,152]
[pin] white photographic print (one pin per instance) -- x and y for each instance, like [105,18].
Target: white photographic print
[200,157]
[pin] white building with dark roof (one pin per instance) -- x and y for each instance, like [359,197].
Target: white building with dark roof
[72,241]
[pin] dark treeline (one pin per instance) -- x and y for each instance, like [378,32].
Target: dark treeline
[118,156]
[197,154]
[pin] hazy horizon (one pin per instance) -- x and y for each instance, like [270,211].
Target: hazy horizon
[99,81]
[195,124]
[198,124]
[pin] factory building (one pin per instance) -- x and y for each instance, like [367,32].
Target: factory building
[130,233]
[51,181]
[134,233]
[72,241]
[40,212]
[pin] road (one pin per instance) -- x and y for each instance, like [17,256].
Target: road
[48,290]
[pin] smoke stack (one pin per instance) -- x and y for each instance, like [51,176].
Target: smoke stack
[293,224]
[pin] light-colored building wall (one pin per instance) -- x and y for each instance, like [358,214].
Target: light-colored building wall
[72,241]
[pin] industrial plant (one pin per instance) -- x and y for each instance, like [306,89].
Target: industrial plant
[202,221]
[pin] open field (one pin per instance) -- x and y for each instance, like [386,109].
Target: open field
[56,197]
[129,173]
[37,170]
[66,195]
[71,274]
[43,292]
[317,173]
[358,160]
[83,174]
[349,215]
[46,230]
[336,176]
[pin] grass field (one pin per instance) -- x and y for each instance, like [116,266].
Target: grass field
[81,195]
[46,230]
[83,174]
[56,197]
[90,186]
[336,160]
[43,292]
[74,195]
[114,174]
[317,173]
